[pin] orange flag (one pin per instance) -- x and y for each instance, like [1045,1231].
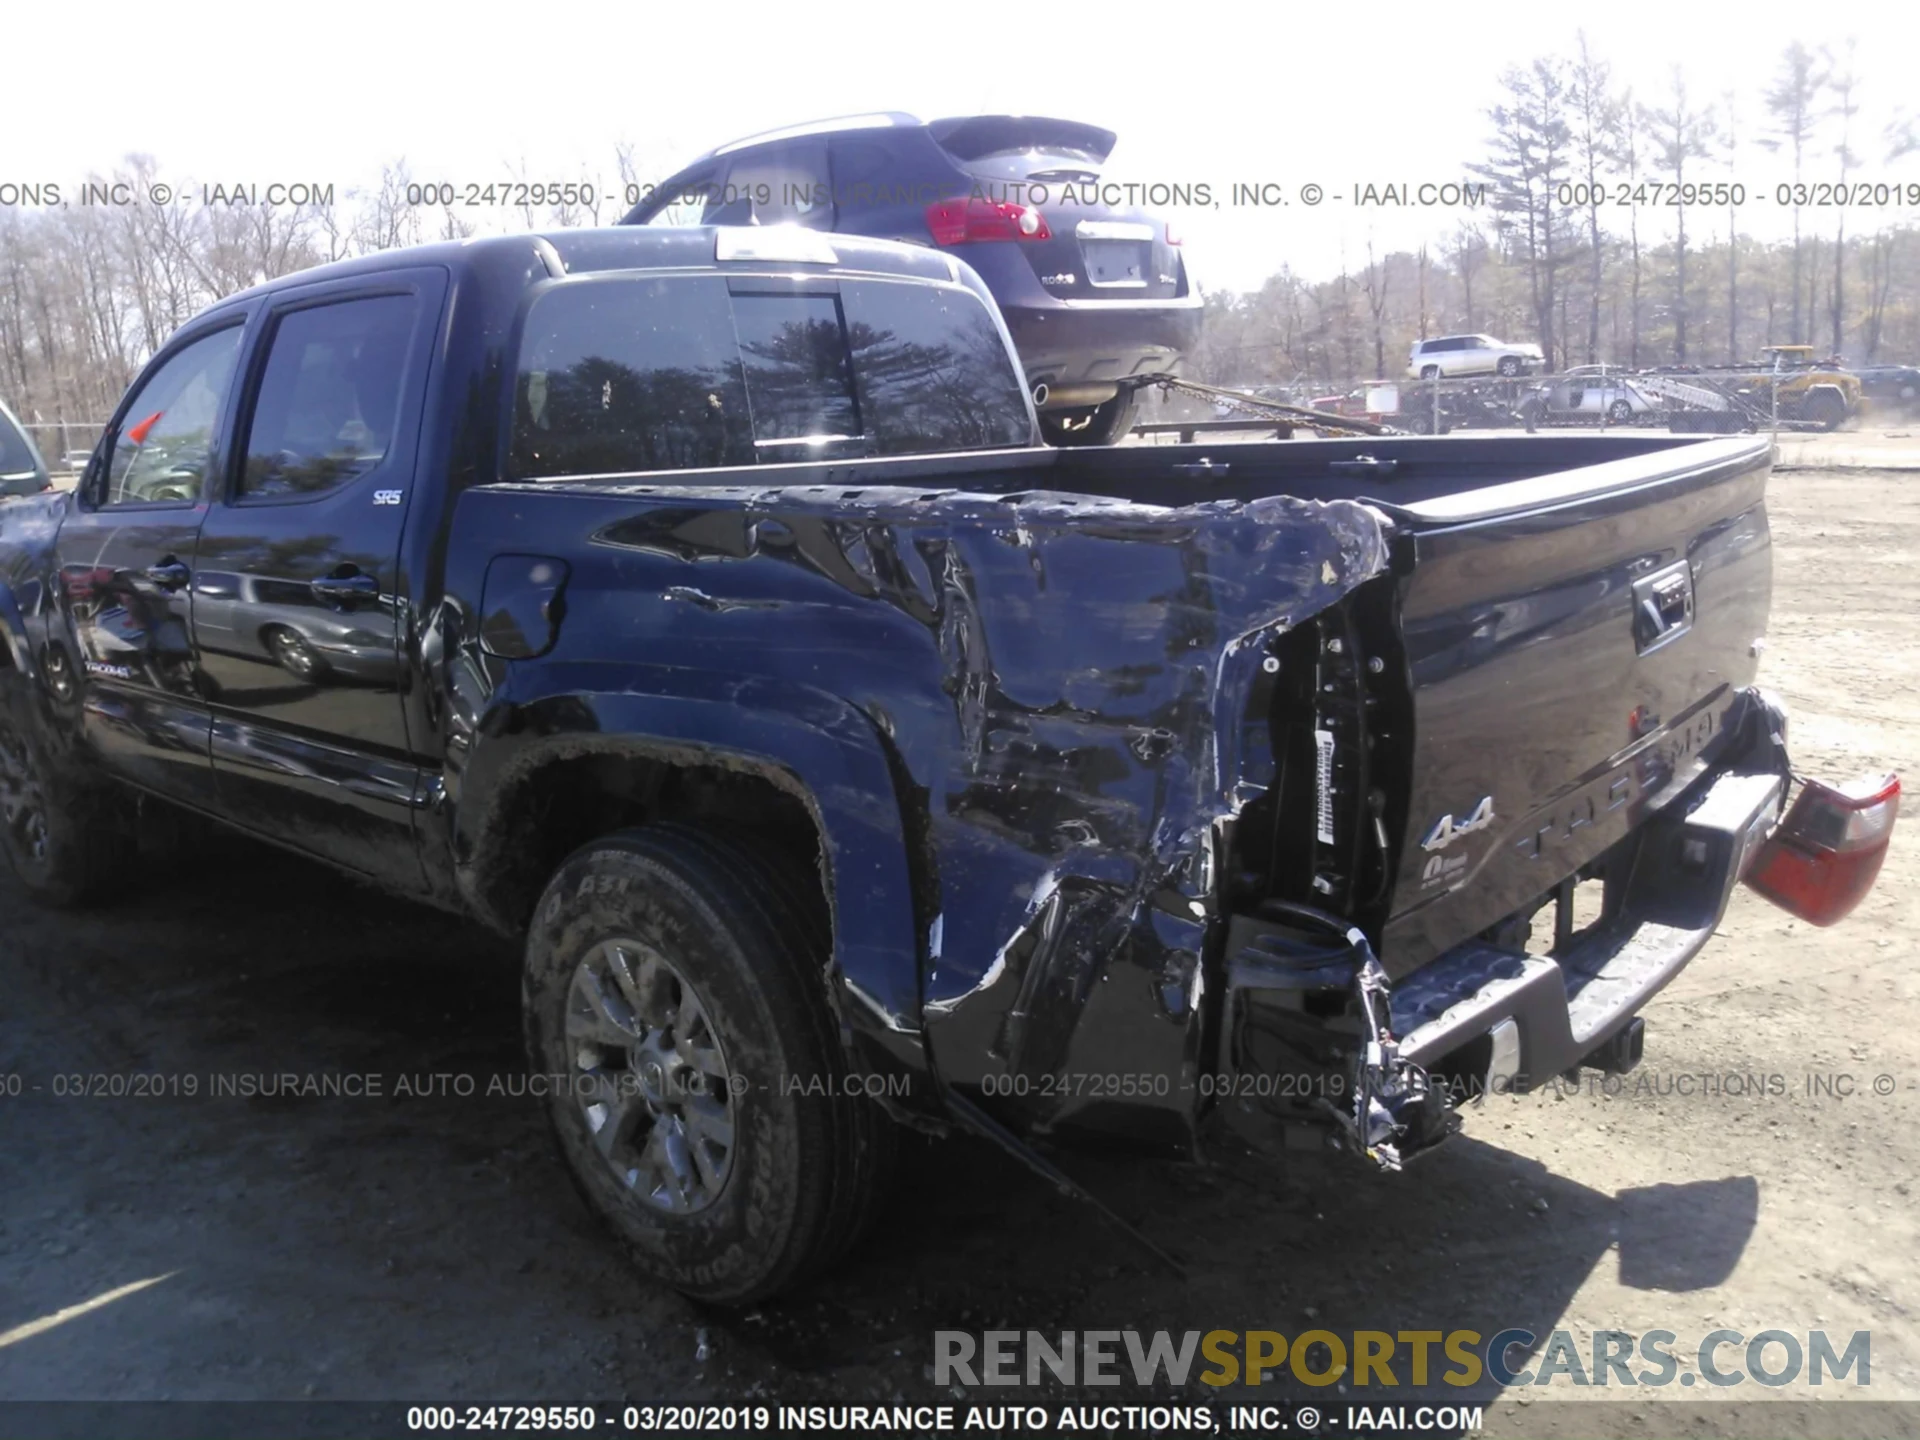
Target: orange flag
[138,434]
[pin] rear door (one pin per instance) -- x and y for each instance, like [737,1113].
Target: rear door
[1574,643]
[298,600]
[126,553]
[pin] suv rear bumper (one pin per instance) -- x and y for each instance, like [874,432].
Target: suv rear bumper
[1082,351]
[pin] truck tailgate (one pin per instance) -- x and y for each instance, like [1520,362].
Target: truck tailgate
[1573,642]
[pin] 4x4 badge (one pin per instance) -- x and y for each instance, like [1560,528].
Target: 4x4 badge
[1445,830]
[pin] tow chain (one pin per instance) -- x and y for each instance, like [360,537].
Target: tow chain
[1321,422]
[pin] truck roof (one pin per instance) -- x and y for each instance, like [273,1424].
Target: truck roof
[640,247]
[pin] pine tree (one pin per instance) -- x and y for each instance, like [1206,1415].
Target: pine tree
[1793,105]
[1681,134]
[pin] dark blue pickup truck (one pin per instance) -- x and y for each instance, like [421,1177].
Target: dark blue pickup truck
[697,604]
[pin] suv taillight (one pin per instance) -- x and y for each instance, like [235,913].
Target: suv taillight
[961,222]
[1826,854]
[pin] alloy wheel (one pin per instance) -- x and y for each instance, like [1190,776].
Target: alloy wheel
[651,1081]
[294,654]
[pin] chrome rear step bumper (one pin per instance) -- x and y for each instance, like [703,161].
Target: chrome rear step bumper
[1565,1006]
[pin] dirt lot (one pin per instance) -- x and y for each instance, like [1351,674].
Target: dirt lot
[427,1247]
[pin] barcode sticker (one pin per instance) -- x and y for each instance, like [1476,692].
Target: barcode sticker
[1323,773]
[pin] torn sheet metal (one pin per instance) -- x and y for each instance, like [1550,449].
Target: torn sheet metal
[1063,684]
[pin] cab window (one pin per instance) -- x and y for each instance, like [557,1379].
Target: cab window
[793,348]
[932,370]
[160,452]
[329,400]
[624,375]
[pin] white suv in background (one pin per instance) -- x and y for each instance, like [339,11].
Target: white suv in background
[1449,355]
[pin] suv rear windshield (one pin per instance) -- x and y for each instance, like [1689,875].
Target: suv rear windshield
[1014,147]
[629,374]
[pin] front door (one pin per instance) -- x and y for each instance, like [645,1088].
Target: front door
[126,554]
[296,604]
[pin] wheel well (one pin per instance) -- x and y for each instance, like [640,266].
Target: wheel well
[569,801]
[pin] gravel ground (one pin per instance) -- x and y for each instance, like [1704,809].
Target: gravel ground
[425,1246]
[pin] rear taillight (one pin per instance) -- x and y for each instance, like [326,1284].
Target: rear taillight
[961,222]
[1824,857]
[1173,235]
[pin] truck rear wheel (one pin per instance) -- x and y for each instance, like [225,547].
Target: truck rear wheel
[675,999]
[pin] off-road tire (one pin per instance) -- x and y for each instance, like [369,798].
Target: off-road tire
[1825,409]
[68,841]
[809,1163]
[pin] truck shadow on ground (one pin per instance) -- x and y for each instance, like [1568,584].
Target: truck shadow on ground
[349,1242]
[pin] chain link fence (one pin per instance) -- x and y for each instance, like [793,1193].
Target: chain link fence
[65,444]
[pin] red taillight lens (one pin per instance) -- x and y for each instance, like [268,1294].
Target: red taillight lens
[960,222]
[1826,854]
[1173,235]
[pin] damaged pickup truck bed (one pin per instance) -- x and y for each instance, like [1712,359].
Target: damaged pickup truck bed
[698,605]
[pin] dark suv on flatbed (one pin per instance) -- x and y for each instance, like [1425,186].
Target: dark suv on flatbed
[1094,289]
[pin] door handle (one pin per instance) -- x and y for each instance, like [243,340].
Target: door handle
[169,574]
[345,590]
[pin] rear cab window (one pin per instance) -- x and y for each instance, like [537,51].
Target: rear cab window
[628,374]
[798,369]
